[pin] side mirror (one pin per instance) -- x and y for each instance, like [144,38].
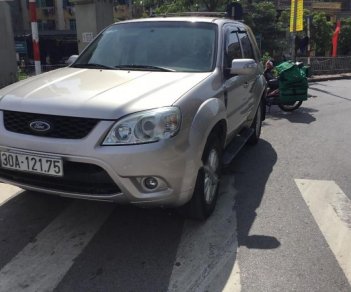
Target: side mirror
[243,67]
[71,59]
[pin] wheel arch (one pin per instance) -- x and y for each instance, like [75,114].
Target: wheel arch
[210,117]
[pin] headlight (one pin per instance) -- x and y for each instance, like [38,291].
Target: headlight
[145,127]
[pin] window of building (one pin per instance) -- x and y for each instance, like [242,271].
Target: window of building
[40,25]
[50,25]
[46,25]
[49,3]
[66,3]
[72,24]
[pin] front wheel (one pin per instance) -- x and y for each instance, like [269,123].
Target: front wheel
[291,106]
[204,198]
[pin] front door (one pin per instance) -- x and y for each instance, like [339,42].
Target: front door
[236,87]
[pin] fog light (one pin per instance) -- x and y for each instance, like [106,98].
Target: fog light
[150,183]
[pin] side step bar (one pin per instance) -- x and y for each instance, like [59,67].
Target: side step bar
[235,145]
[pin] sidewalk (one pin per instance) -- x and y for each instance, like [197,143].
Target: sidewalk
[317,78]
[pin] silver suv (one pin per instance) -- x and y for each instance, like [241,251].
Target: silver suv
[146,115]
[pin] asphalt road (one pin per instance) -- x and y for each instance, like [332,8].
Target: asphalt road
[267,233]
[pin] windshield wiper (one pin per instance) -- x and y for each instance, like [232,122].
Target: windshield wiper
[143,67]
[93,65]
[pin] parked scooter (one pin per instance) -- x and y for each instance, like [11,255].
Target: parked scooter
[272,98]
[289,89]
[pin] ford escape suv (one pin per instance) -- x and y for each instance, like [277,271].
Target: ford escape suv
[145,115]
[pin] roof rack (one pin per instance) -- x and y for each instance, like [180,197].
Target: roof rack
[196,13]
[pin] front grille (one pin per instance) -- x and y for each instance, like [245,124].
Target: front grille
[79,178]
[61,126]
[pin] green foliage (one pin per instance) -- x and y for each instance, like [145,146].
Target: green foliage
[344,43]
[173,7]
[321,32]
[263,18]
[21,75]
[265,57]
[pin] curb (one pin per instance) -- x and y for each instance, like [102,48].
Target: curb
[319,78]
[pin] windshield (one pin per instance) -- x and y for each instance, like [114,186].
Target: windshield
[156,46]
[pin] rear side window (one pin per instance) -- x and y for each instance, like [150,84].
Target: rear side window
[246,45]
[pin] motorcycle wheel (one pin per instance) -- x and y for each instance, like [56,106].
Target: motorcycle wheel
[291,106]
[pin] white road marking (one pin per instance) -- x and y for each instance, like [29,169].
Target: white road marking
[206,255]
[42,264]
[234,284]
[331,209]
[7,192]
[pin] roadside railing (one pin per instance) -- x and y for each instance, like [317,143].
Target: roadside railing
[327,65]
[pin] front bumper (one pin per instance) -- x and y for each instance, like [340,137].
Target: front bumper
[108,173]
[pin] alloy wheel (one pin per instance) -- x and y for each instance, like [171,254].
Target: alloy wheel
[211,179]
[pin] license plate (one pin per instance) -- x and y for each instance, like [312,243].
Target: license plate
[32,163]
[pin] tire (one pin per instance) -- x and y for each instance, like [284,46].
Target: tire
[290,107]
[257,125]
[204,198]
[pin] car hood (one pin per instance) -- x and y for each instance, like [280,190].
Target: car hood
[95,93]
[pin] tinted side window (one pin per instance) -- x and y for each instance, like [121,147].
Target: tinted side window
[233,49]
[246,44]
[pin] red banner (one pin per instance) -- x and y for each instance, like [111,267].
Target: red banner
[335,38]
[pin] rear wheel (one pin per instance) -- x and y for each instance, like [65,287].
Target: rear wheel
[256,125]
[290,106]
[205,194]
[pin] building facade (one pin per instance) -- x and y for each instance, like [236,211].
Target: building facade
[334,9]
[57,30]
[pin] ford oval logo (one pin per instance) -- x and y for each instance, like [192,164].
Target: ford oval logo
[40,126]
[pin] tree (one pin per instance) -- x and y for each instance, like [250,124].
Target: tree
[173,6]
[211,5]
[344,45]
[263,22]
[321,32]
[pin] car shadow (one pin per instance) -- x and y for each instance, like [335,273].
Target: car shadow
[251,170]
[134,248]
[303,115]
[22,218]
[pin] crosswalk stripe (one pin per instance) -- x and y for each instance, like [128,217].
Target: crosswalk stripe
[331,209]
[207,251]
[42,264]
[8,192]
[234,283]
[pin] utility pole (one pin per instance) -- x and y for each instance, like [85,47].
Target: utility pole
[293,55]
[8,68]
[309,39]
[35,36]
